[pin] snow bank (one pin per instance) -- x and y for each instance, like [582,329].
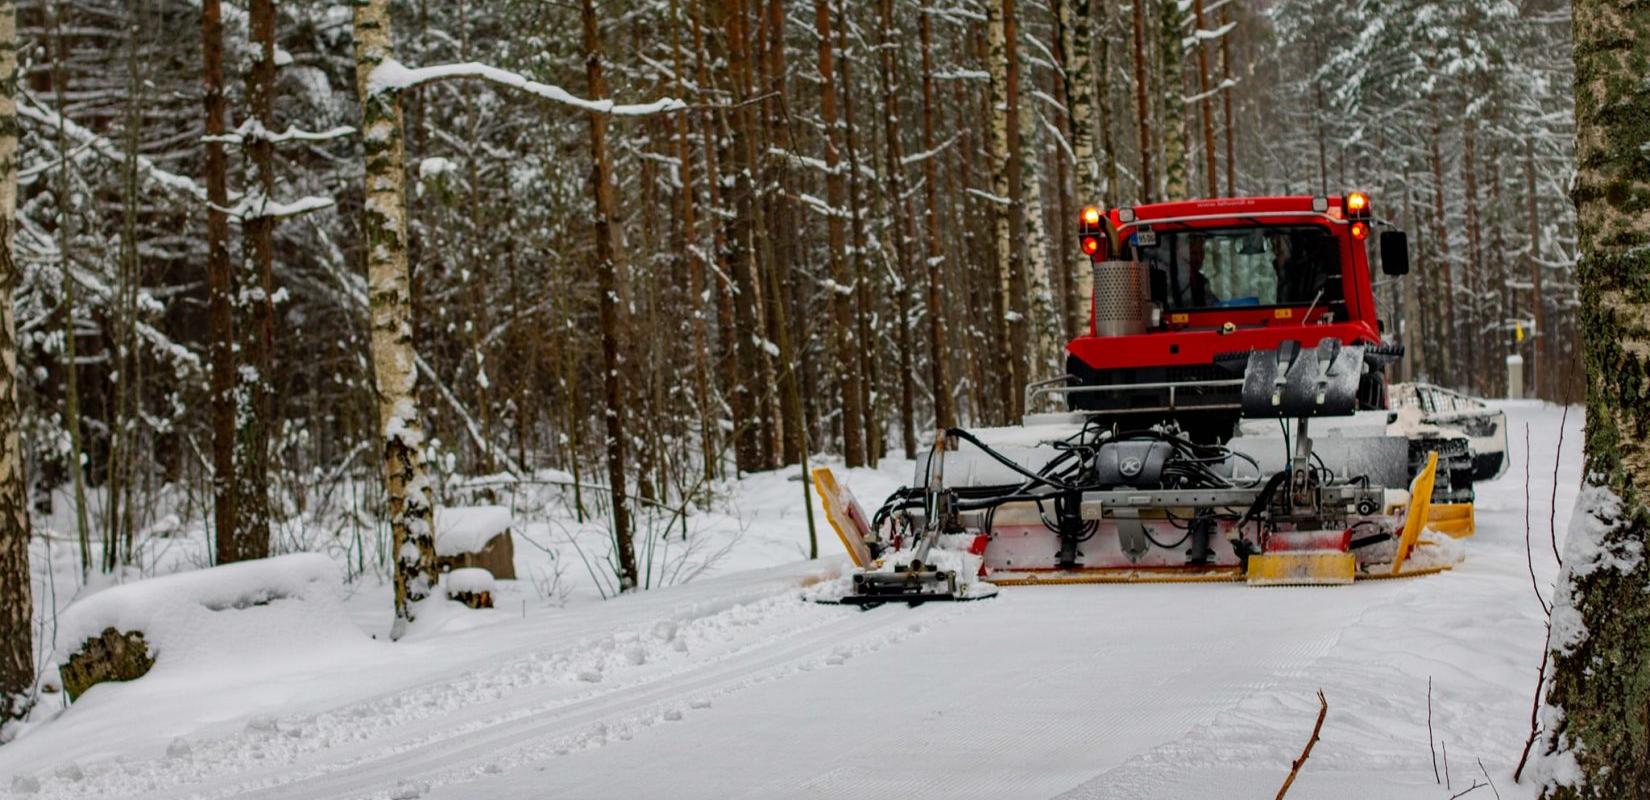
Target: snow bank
[218,632]
[166,609]
[462,530]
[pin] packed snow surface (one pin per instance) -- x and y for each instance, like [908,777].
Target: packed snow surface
[732,686]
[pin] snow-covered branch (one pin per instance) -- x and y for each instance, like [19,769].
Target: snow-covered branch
[391,76]
[253,130]
[108,149]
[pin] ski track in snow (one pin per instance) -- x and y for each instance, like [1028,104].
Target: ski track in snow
[735,688]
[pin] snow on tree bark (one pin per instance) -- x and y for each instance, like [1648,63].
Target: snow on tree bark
[394,367]
[257,391]
[1173,130]
[16,599]
[1596,738]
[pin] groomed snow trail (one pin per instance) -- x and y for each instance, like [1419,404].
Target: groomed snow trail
[734,688]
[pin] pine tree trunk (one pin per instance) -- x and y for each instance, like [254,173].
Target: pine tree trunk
[609,266]
[1444,299]
[71,356]
[1206,103]
[16,585]
[868,348]
[219,293]
[1226,84]
[1142,104]
[253,458]
[1539,385]
[1470,312]
[692,251]
[394,358]
[894,166]
[1599,721]
[749,409]
[842,332]
[939,352]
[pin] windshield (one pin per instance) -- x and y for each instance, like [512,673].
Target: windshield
[1230,267]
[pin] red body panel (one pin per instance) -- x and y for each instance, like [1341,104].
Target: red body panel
[1195,337]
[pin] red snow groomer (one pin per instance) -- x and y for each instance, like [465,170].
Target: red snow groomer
[1183,452]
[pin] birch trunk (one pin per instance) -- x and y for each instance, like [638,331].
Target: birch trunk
[1004,134]
[1077,41]
[1173,130]
[394,358]
[1598,724]
[16,587]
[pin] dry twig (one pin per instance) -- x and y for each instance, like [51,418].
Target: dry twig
[1529,556]
[1295,767]
[1488,780]
[1552,504]
[1469,790]
[1430,748]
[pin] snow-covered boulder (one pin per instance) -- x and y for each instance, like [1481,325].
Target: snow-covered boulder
[475,537]
[120,633]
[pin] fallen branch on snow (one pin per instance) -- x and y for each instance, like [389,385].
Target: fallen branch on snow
[1295,767]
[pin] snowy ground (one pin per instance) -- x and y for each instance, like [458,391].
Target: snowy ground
[729,686]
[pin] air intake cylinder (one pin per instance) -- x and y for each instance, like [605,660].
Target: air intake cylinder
[1122,298]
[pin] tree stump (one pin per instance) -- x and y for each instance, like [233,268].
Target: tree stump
[111,656]
[472,586]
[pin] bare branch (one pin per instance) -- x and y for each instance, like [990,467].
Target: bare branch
[1295,767]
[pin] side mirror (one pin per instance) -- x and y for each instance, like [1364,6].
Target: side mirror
[1395,252]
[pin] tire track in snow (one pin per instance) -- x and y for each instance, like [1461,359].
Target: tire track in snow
[459,754]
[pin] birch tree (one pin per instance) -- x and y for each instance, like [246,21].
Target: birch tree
[394,359]
[1597,735]
[16,584]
